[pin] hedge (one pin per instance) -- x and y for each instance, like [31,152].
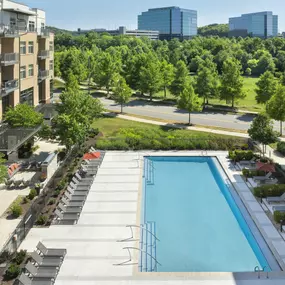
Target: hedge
[239,155]
[279,216]
[281,147]
[251,173]
[269,190]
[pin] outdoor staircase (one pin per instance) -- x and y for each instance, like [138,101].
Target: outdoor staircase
[147,260]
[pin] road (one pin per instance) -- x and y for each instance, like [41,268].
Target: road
[239,122]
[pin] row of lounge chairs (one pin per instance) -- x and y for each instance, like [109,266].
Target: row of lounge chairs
[70,207]
[44,266]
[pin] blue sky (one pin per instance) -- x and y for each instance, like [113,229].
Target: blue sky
[87,14]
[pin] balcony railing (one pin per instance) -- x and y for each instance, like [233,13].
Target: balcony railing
[45,33]
[43,54]
[9,31]
[9,86]
[9,58]
[43,74]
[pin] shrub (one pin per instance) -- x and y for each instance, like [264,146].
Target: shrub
[62,155]
[246,172]
[57,192]
[12,272]
[239,155]
[93,133]
[5,256]
[45,132]
[33,194]
[269,190]
[16,210]
[51,202]
[42,219]
[279,216]
[281,147]
[20,257]
[61,185]
[251,173]
[25,200]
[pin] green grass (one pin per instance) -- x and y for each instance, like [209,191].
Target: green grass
[58,84]
[111,126]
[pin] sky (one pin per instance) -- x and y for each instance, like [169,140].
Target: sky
[110,14]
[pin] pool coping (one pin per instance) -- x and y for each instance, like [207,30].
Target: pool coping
[220,156]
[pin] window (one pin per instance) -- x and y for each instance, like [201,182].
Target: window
[23,48]
[31,47]
[13,22]
[27,96]
[31,70]
[51,65]
[51,45]
[23,72]
[42,26]
[31,26]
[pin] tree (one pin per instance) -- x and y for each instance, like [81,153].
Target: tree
[181,75]
[266,87]
[261,130]
[150,77]
[75,116]
[167,74]
[3,169]
[122,91]
[188,100]
[276,106]
[71,82]
[207,82]
[23,115]
[231,81]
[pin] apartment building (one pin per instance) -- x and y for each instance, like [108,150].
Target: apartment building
[27,59]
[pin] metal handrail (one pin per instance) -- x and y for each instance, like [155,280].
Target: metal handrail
[9,57]
[139,227]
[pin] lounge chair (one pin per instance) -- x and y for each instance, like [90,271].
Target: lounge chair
[79,187]
[77,192]
[46,261]
[248,162]
[279,208]
[50,252]
[71,203]
[78,177]
[25,280]
[276,199]
[81,183]
[260,178]
[69,210]
[73,198]
[89,172]
[268,181]
[41,272]
[66,217]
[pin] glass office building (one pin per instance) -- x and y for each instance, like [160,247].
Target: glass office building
[262,24]
[171,22]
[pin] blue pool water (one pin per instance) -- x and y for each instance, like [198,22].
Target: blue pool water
[200,227]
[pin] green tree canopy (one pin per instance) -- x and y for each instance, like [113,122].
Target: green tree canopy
[167,74]
[188,99]
[221,30]
[231,82]
[266,87]
[276,106]
[122,91]
[181,75]
[261,130]
[3,169]
[71,82]
[23,115]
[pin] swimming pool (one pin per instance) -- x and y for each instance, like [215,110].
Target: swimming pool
[191,221]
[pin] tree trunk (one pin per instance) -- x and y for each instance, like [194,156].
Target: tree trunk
[121,108]
[204,102]
[150,97]
[189,123]
[164,92]
[281,128]
[233,101]
[108,91]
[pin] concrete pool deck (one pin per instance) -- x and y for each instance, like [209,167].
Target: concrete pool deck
[92,245]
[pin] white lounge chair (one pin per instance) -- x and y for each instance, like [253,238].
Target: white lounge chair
[279,208]
[41,272]
[25,280]
[260,178]
[71,203]
[276,199]
[50,252]
[74,198]
[69,210]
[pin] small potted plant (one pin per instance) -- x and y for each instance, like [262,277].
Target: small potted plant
[43,177]
[38,187]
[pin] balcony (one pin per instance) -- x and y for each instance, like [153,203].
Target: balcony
[45,33]
[9,31]
[43,54]
[9,59]
[9,86]
[43,74]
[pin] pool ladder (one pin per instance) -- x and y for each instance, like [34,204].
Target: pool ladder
[149,172]
[258,270]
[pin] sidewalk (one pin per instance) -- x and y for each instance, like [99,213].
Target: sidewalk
[270,152]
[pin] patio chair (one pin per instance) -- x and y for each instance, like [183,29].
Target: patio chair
[25,280]
[260,178]
[41,272]
[50,252]
[80,178]
[71,203]
[66,216]
[69,210]
[248,162]
[276,199]
[77,192]
[279,208]
[46,261]
[79,182]
[89,172]
[73,198]
[79,187]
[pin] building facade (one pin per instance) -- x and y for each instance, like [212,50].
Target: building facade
[261,24]
[153,35]
[171,22]
[27,59]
